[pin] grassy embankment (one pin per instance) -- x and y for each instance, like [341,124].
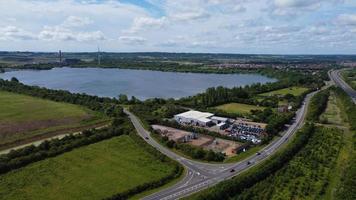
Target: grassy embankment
[23,117]
[238,108]
[350,77]
[296,91]
[92,172]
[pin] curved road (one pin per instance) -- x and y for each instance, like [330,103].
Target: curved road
[203,175]
[336,77]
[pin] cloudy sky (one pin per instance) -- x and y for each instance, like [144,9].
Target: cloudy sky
[230,26]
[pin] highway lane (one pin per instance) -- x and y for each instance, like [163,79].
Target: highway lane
[336,77]
[203,175]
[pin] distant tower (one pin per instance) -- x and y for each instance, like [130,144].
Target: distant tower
[60,56]
[99,56]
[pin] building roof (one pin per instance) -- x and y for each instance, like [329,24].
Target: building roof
[219,118]
[193,114]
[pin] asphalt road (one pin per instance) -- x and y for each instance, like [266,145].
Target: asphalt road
[203,175]
[336,77]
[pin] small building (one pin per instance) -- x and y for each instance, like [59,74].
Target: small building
[222,126]
[282,109]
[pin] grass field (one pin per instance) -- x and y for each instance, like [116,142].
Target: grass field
[332,113]
[24,116]
[238,108]
[296,91]
[91,172]
[350,77]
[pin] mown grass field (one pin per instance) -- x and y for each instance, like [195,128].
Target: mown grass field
[238,108]
[24,116]
[296,91]
[92,172]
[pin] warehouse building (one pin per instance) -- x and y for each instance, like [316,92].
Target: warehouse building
[195,118]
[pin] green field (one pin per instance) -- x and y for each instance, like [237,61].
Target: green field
[92,172]
[238,108]
[24,116]
[350,77]
[296,91]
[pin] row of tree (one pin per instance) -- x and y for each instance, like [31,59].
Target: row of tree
[102,104]
[307,175]
[229,189]
[50,148]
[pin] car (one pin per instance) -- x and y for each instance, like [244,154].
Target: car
[248,162]
[258,153]
[147,138]
[232,170]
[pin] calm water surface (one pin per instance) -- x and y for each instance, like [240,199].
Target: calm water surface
[142,84]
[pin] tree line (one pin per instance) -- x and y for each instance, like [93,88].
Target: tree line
[307,175]
[101,104]
[50,148]
[178,170]
[230,188]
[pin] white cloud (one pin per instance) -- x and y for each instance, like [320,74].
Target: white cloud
[58,33]
[75,21]
[191,15]
[134,40]
[15,33]
[143,23]
[347,19]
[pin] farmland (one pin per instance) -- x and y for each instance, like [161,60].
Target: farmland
[92,172]
[296,91]
[23,117]
[238,108]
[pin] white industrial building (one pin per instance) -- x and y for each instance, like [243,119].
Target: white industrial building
[194,117]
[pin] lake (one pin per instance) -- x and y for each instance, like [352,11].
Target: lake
[142,84]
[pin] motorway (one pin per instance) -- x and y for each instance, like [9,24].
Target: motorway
[336,77]
[202,175]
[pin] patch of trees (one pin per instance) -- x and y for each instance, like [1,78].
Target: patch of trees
[347,188]
[178,170]
[102,104]
[50,148]
[318,105]
[306,176]
[220,95]
[230,188]
[152,111]
[349,106]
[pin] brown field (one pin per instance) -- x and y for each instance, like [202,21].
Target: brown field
[204,141]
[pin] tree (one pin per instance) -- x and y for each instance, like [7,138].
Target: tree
[123,98]
[14,79]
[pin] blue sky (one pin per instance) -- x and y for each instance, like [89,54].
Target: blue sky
[216,26]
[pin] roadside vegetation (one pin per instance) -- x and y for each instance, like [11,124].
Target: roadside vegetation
[350,77]
[96,171]
[236,186]
[41,171]
[23,117]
